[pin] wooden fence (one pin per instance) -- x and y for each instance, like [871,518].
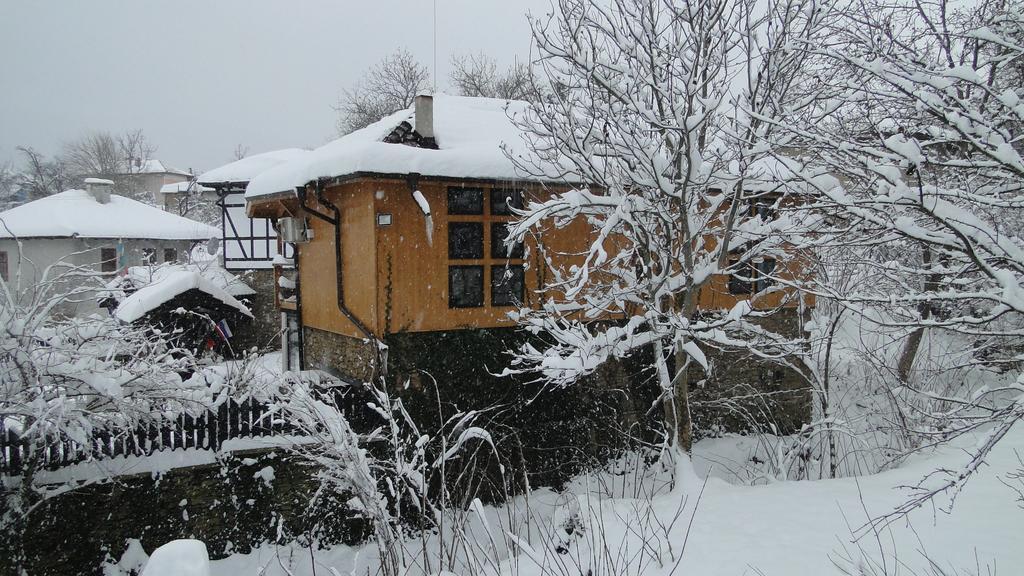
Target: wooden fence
[246,419]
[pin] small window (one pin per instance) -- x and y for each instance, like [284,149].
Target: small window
[503,200]
[3,266]
[465,286]
[170,255]
[740,285]
[148,256]
[108,260]
[465,240]
[499,231]
[764,272]
[465,201]
[751,278]
[506,285]
[763,207]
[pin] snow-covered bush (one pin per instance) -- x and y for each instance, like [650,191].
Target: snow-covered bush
[77,379]
[402,481]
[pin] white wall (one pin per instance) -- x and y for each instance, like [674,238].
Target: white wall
[37,254]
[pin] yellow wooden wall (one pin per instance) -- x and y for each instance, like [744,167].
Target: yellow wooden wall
[396,279]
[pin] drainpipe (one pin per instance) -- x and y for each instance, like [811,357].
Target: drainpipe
[335,222]
[298,309]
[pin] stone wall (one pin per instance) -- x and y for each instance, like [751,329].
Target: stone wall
[351,359]
[557,433]
[746,394]
[230,506]
[264,332]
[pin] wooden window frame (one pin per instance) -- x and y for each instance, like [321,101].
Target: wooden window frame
[493,256]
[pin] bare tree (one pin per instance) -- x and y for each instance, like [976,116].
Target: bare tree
[678,191]
[391,85]
[135,149]
[478,75]
[10,185]
[120,158]
[43,177]
[241,151]
[96,154]
[924,128]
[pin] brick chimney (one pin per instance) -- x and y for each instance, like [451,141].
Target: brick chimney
[99,189]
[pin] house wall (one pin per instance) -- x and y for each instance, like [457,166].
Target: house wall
[39,253]
[396,276]
[153,182]
[318,275]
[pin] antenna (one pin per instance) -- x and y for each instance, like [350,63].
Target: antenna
[435,47]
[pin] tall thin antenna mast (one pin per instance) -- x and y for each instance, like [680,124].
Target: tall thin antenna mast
[435,47]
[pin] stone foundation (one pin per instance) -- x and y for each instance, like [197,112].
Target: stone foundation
[746,394]
[351,359]
[555,434]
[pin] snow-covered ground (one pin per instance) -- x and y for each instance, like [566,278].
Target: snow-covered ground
[782,528]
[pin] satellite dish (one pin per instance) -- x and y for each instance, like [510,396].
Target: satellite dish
[213,245]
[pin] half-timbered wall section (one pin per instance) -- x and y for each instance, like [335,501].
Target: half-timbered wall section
[249,243]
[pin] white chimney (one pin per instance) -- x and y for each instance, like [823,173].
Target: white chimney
[425,115]
[99,189]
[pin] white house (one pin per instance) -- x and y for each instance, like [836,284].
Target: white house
[152,175]
[96,233]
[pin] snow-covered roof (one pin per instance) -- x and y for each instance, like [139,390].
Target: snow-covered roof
[76,213]
[155,166]
[179,187]
[470,134]
[212,271]
[174,284]
[247,168]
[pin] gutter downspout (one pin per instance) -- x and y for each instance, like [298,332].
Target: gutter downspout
[335,222]
[298,309]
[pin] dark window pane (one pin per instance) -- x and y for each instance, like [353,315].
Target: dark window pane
[170,254]
[465,240]
[503,200]
[149,256]
[744,285]
[764,271]
[499,231]
[506,285]
[465,201]
[108,260]
[465,286]
[763,207]
[3,266]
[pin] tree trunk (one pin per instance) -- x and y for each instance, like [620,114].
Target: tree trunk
[924,309]
[681,385]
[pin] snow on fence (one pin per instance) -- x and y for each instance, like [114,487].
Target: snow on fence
[210,430]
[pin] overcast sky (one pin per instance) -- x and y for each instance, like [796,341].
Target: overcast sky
[201,76]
